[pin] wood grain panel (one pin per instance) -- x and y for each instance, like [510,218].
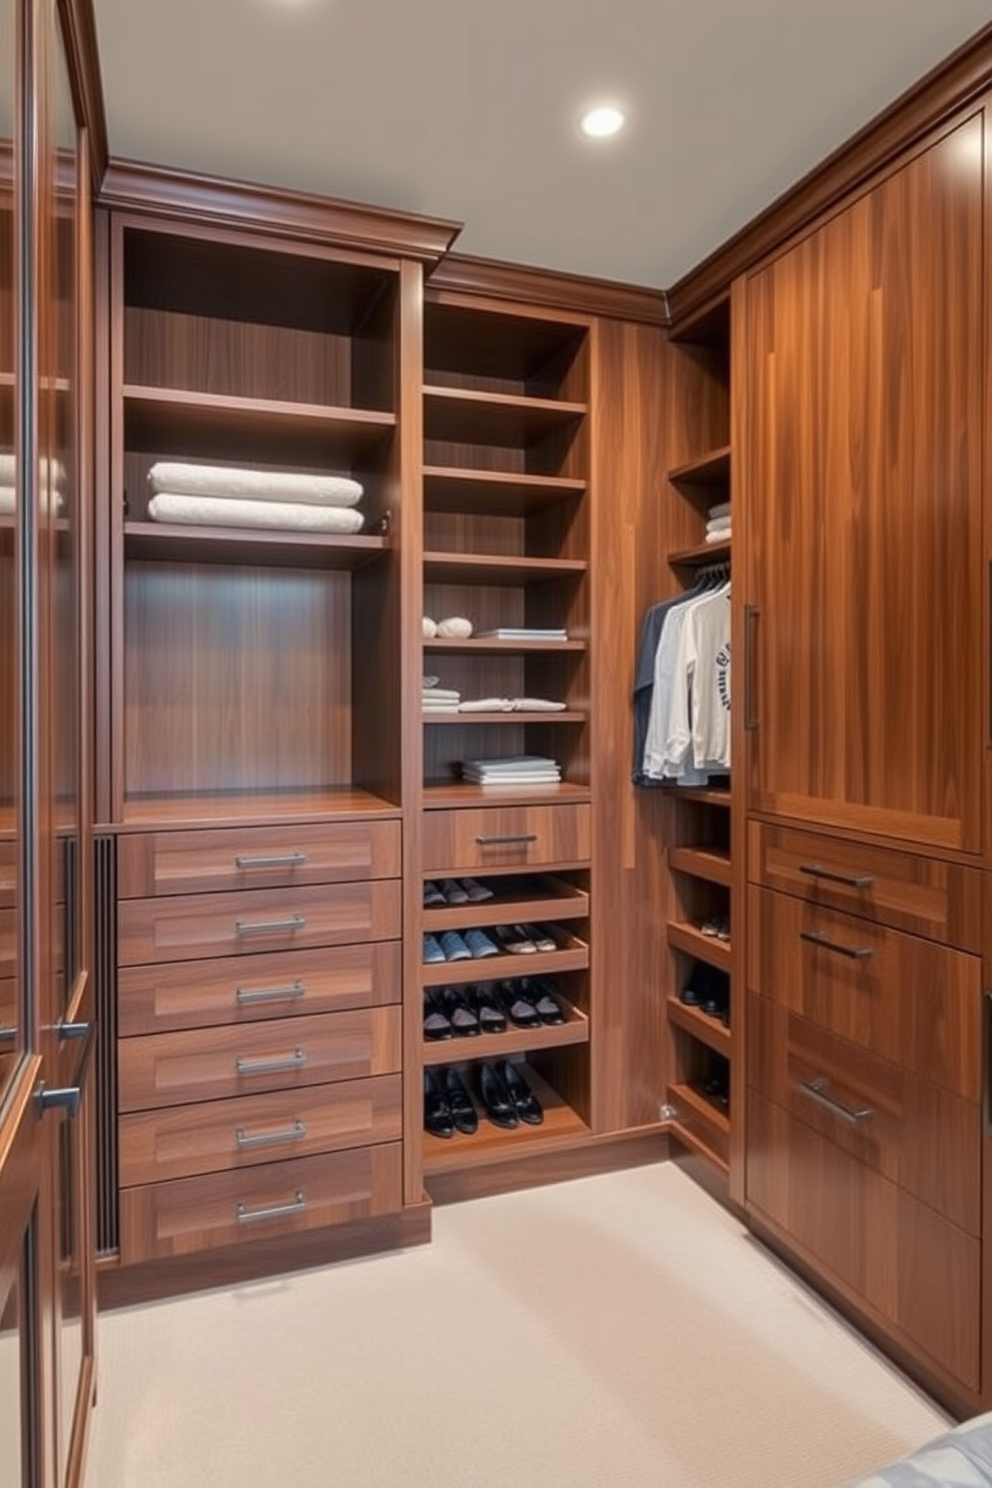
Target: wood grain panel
[209,1064]
[215,1136]
[913,1269]
[909,1130]
[863,472]
[939,900]
[8,942]
[281,1199]
[511,836]
[910,1001]
[287,984]
[256,857]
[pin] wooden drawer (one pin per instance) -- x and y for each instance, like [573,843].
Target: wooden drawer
[214,1136]
[907,1000]
[192,925]
[912,1132]
[491,838]
[256,857]
[262,1203]
[917,1273]
[162,998]
[167,1069]
[942,901]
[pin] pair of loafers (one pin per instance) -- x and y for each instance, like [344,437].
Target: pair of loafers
[448,1106]
[530,1002]
[453,1012]
[524,940]
[474,945]
[507,1098]
[455,891]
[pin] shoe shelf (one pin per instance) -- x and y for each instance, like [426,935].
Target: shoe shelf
[546,898]
[701,862]
[709,948]
[561,1127]
[575,1030]
[573,956]
[709,1031]
[701,1124]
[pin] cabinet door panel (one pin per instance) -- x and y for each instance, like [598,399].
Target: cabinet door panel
[864,522]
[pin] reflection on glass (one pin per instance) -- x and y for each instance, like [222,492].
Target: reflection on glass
[11,1442]
[8,590]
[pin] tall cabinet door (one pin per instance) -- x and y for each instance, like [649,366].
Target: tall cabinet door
[863,490]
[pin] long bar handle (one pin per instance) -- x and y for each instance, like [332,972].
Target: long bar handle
[489,841]
[247,996]
[279,860]
[294,1061]
[245,1141]
[817,938]
[853,880]
[751,613]
[268,927]
[817,1091]
[297,1205]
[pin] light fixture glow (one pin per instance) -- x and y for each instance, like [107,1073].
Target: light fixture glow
[602,121]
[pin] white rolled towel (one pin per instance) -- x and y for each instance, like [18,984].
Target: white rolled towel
[456,627]
[210,511]
[8,501]
[51,472]
[174,478]
[430,628]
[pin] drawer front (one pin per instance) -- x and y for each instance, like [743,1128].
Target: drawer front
[193,925]
[167,1069]
[256,857]
[492,838]
[167,997]
[919,1274]
[942,901]
[259,1204]
[912,1132]
[215,1136]
[907,1000]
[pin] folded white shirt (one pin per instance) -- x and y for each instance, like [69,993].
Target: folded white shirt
[253,485]
[212,511]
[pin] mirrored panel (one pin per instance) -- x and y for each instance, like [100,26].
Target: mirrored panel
[9,1043]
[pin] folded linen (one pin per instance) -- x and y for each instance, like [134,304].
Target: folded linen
[716,537]
[177,479]
[213,511]
[511,705]
[8,501]
[51,472]
[721,524]
[722,509]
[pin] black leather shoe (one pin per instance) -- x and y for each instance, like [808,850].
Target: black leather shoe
[438,1119]
[525,1102]
[496,1098]
[546,1004]
[463,1112]
[487,1009]
[461,1017]
[437,1025]
[517,1004]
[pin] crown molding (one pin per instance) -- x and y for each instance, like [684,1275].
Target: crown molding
[575,292]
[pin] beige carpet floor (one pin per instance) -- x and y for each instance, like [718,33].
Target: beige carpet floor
[616,1332]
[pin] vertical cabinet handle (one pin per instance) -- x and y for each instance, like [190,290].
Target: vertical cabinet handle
[751,613]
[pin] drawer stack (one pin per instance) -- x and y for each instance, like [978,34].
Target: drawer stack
[864,1075]
[260,1032]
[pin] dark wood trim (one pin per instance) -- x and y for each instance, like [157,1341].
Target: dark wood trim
[79,36]
[123,1286]
[949,87]
[211,200]
[588,1157]
[505,281]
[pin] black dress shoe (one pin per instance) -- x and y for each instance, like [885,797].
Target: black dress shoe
[518,1006]
[461,1017]
[487,1010]
[546,1004]
[438,1119]
[437,1024]
[463,1113]
[525,1102]
[496,1098]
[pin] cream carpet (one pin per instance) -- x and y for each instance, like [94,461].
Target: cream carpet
[616,1332]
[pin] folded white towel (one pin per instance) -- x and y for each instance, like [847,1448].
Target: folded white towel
[719,524]
[173,478]
[430,628]
[211,511]
[8,501]
[722,509]
[487,705]
[50,471]
[536,705]
[455,628]
[718,537]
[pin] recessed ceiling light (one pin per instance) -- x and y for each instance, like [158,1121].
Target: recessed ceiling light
[602,121]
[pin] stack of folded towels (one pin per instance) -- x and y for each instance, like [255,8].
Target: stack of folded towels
[510,705]
[216,496]
[718,523]
[520,769]
[52,479]
[439,699]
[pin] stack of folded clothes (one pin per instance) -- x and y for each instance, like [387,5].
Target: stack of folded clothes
[511,705]
[217,496]
[51,481]
[439,699]
[520,769]
[718,523]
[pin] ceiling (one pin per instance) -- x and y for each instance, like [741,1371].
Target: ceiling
[468,110]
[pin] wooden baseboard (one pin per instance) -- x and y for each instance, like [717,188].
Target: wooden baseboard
[124,1286]
[583,1160]
[710,1175]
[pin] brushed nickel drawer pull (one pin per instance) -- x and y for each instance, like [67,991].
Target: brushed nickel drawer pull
[508,838]
[245,996]
[279,860]
[817,938]
[268,927]
[245,1141]
[817,1091]
[284,1062]
[297,1205]
[8,1033]
[853,880]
